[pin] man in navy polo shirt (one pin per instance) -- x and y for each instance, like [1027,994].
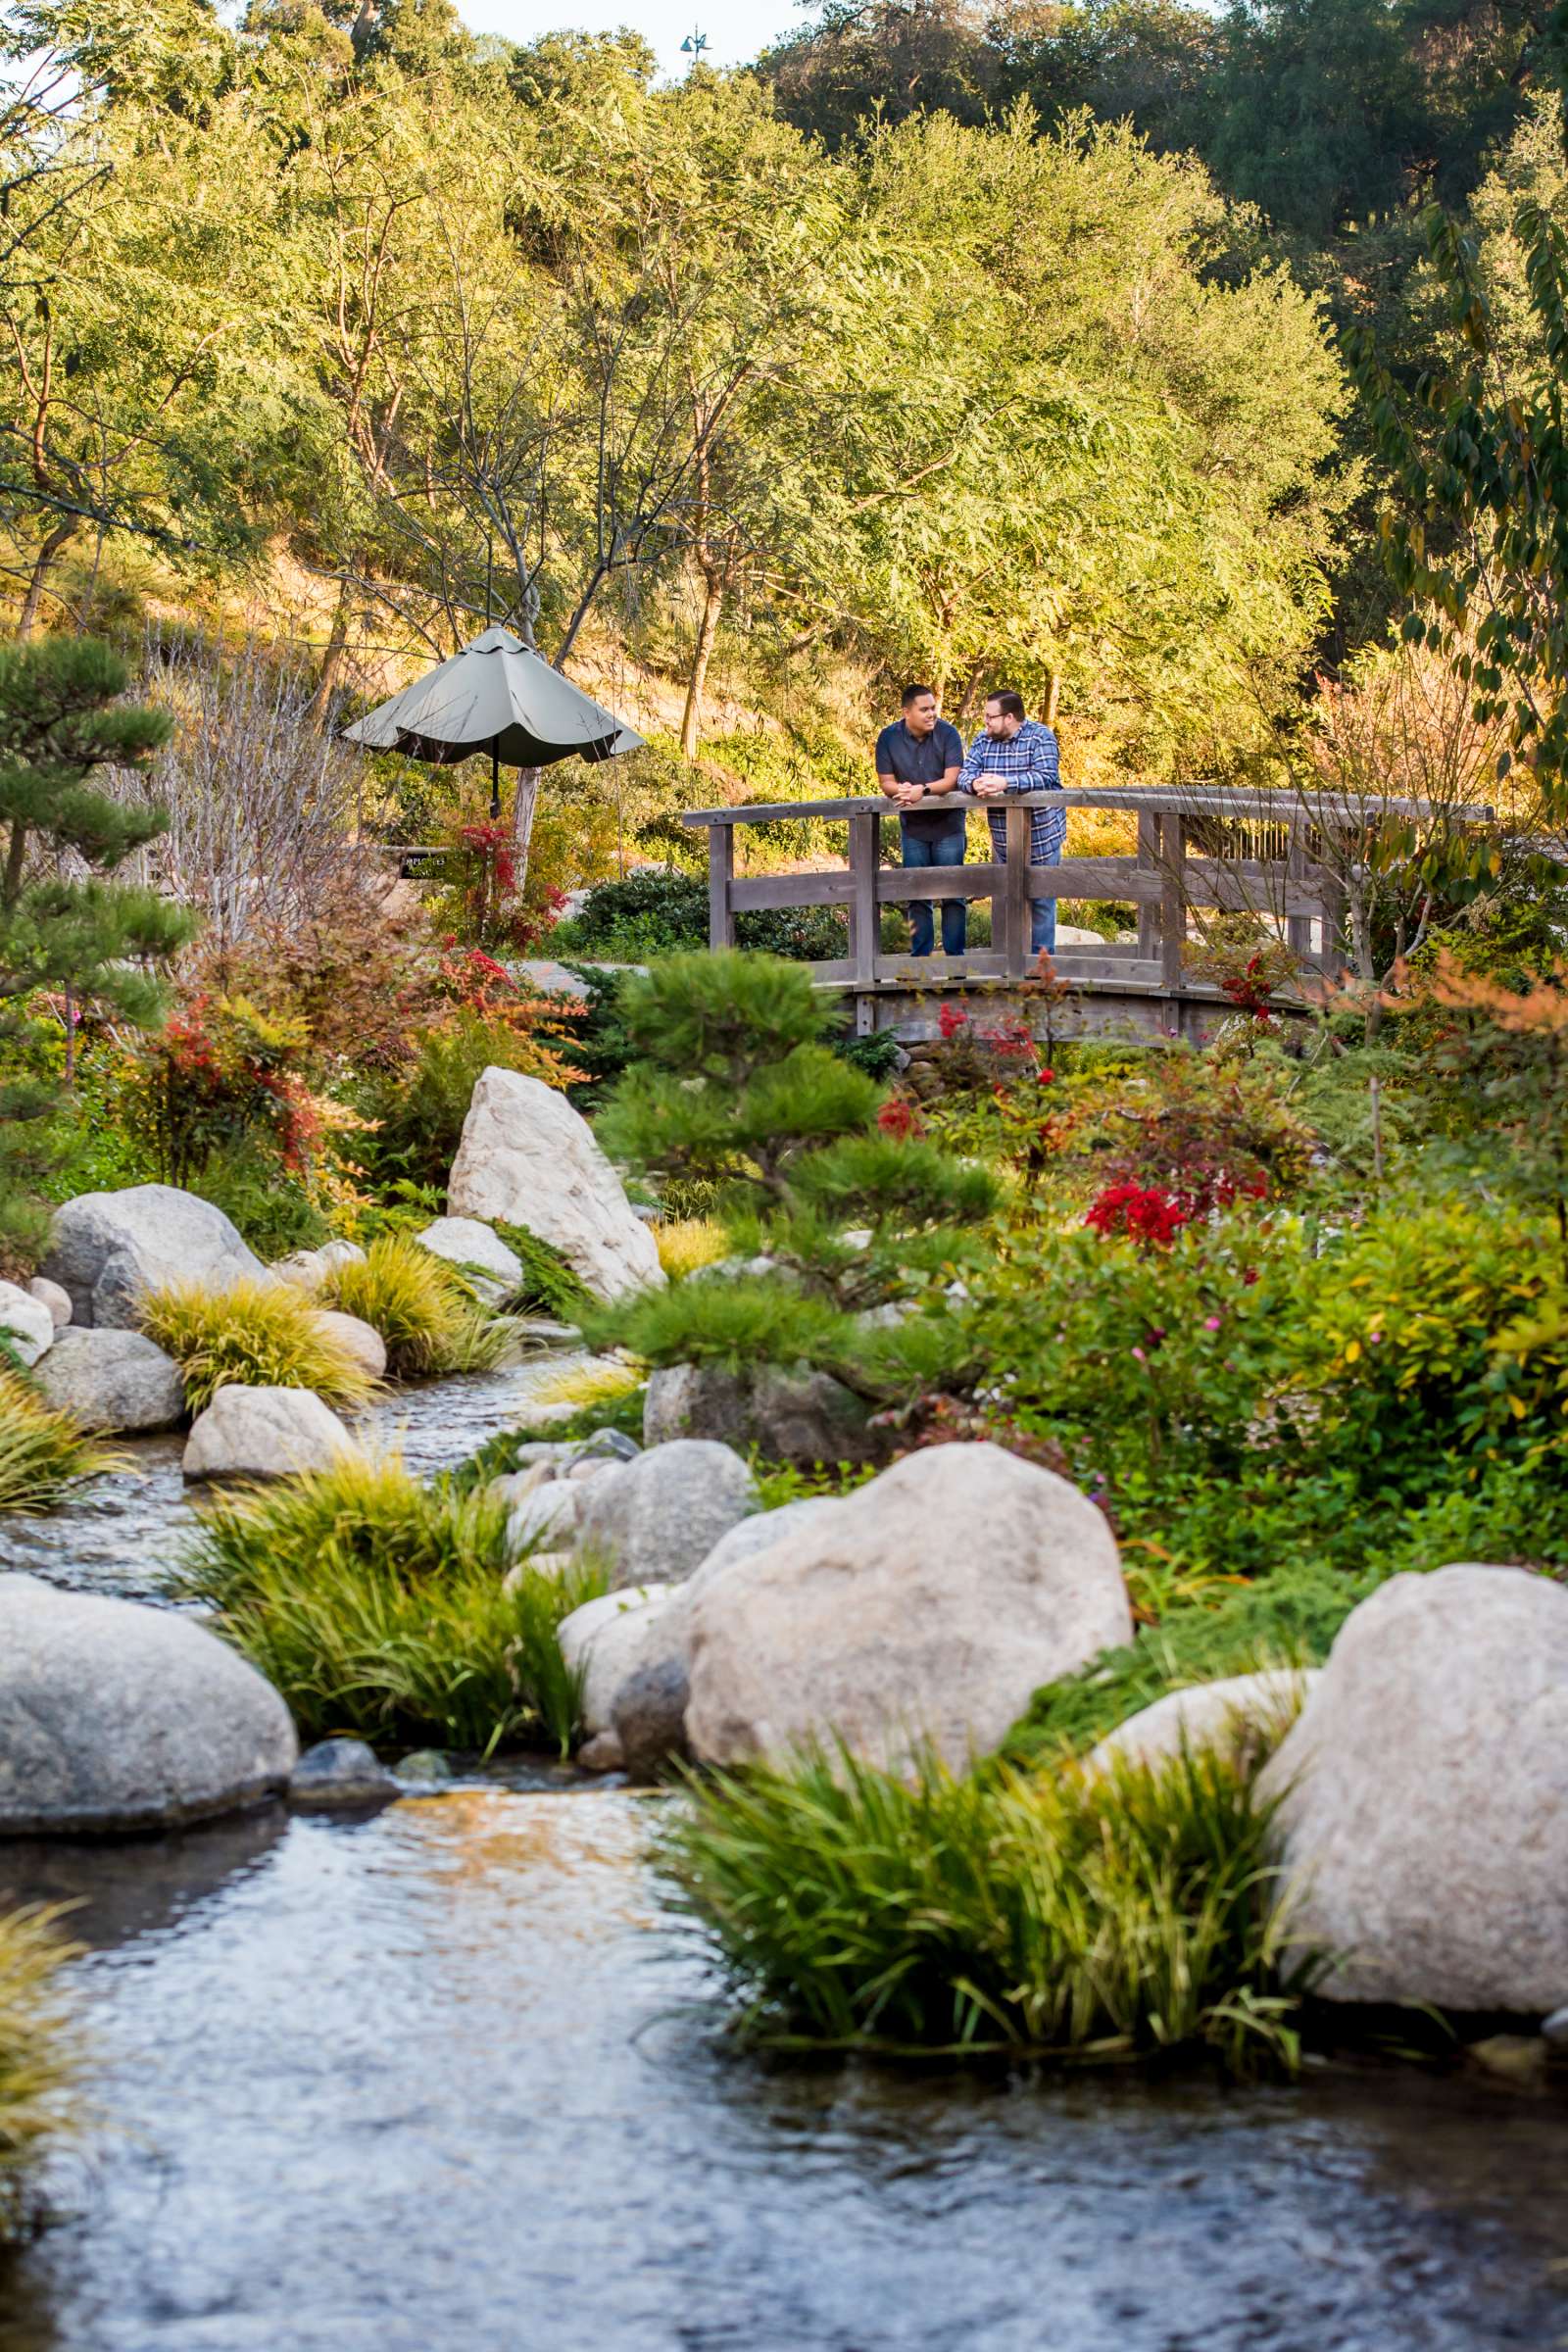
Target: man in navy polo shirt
[917,757]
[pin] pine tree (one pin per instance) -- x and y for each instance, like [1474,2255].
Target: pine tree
[66,929]
[736,1085]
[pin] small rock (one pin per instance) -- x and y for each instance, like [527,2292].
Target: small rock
[601,1753]
[477,1252]
[308,1269]
[537,1563]
[360,1340]
[50,1295]
[1555,2027]
[114,1381]
[1517,2057]
[547,1509]
[425,1767]
[609,1639]
[649,1716]
[27,1325]
[1242,1715]
[264,1433]
[341,1772]
[605,1445]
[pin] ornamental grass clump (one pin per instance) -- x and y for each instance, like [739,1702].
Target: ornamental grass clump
[43,1452]
[425,1314]
[257,1335]
[377,1605]
[42,2058]
[1067,1917]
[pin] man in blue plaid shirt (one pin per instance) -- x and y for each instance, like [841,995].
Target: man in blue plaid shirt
[1014,753]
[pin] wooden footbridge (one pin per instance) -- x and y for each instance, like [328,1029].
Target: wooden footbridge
[1194,848]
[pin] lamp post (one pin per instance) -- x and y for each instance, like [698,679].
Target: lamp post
[693,46]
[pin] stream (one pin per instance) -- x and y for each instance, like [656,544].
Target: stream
[444,2081]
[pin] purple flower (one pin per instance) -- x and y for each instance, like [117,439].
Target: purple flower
[1139,1358]
[1211,1322]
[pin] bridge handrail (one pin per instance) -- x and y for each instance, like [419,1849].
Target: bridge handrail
[1163,880]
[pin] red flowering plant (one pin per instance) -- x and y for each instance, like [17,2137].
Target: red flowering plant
[1249,967]
[1206,1135]
[1142,1213]
[222,1065]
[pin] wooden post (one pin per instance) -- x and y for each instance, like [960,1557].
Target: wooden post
[1297,927]
[864,934]
[1148,863]
[721,873]
[1015,917]
[1172,897]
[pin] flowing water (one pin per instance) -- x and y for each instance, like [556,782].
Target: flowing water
[121,1533]
[442,2080]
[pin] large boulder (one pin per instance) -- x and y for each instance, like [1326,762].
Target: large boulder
[791,1416]
[114,1716]
[264,1433]
[1424,1796]
[115,1381]
[106,1249]
[481,1256]
[928,1606]
[607,1640]
[27,1326]
[528,1158]
[1243,1716]
[654,1520]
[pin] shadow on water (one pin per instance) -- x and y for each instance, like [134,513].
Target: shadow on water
[427,2081]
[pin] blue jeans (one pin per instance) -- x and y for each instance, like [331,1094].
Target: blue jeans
[948,851]
[1043,916]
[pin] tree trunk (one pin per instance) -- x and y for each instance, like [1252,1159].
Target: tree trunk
[1053,701]
[706,637]
[28,619]
[523,815]
[321,703]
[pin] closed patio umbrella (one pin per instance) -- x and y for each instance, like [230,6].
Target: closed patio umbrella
[495,696]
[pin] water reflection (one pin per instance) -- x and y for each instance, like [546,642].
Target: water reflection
[427,2081]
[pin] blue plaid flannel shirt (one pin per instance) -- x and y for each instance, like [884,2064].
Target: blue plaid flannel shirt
[1032,763]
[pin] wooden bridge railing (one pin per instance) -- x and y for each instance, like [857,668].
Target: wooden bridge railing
[1162,879]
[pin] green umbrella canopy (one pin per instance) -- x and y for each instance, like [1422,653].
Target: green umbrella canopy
[495,696]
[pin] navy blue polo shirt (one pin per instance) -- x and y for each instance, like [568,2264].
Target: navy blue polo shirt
[922,759]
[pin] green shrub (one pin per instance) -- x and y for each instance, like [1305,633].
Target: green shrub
[1064,1917]
[43,1452]
[418,1112]
[1287,1619]
[549,1284]
[258,1334]
[42,2059]
[653,913]
[423,1311]
[1440,1326]
[271,1208]
[375,1605]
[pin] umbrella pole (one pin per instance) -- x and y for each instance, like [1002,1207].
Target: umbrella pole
[495,784]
